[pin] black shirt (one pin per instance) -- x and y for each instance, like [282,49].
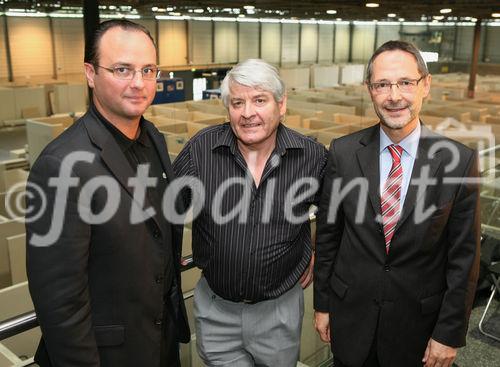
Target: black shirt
[263,256]
[142,151]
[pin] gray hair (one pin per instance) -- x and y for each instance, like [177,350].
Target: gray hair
[253,73]
[402,46]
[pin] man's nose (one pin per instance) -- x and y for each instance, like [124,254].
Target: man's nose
[395,93]
[137,79]
[248,110]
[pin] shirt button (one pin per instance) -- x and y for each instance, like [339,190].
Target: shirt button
[158,321]
[156,234]
[159,279]
[387,267]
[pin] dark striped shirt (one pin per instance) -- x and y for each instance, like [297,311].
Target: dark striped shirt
[263,255]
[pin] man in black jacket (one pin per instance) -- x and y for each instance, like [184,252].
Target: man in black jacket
[102,260]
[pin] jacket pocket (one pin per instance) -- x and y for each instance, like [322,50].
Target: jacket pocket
[109,335]
[338,286]
[432,303]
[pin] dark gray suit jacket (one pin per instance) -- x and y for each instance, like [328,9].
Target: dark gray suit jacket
[98,290]
[425,286]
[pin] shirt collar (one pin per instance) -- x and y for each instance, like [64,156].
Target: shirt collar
[285,139]
[409,143]
[123,141]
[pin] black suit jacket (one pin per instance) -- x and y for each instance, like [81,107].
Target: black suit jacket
[424,287]
[98,290]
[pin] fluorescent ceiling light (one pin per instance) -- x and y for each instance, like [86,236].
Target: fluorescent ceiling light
[223,19]
[438,17]
[495,15]
[391,15]
[331,11]
[269,20]
[249,7]
[248,20]
[171,17]
[445,11]
[65,15]
[372,5]
[198,11]
[19,14]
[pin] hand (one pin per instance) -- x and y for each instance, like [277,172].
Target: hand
[307,278]
[322,325]
[438,355]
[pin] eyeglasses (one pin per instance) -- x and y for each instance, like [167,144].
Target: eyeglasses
[404,85]
[126,73]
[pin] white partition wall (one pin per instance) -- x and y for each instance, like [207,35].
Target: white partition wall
[226,42]
[341,42]
[149,24]
[492,43]
[70,45]
[325,51]
[200,41]
[271,40]
[465,36]
[363,40]
[31,46]
[290,44]
[308,43]
[387,32]
[248,47]
[173,42]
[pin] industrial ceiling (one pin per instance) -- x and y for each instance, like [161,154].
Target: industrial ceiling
[396,10]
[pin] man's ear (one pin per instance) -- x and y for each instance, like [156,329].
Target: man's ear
[282,105]
[427,85]
[89,74]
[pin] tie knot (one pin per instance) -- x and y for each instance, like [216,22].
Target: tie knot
[396,152]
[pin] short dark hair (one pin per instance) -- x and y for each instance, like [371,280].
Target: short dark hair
[124,24]
[402,46]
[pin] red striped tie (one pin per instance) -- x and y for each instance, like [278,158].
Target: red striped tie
[391,195]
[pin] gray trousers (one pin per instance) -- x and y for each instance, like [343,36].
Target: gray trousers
[240,335]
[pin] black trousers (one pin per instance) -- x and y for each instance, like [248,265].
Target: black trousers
[169,354]
[371,360]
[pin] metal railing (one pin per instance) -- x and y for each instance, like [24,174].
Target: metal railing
[27,321]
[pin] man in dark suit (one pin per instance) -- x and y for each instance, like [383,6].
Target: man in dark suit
[102,260]
[395,276]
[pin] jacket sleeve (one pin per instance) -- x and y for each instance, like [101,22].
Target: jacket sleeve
[329,228]
[463,261]
[57,270]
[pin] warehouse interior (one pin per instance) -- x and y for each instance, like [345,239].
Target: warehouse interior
[321,49]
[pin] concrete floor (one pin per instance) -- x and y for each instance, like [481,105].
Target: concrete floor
[480,350]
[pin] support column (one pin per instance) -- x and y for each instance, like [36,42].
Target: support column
[8,56]
[475,57]
[90,24]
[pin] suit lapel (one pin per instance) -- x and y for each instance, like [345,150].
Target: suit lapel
[368,159]
[113,157]
[111,153]
[421,163]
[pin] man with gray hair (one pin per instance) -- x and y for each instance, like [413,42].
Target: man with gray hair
[252,239]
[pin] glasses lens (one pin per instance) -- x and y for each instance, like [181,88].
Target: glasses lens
[123,73]
[150,73]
